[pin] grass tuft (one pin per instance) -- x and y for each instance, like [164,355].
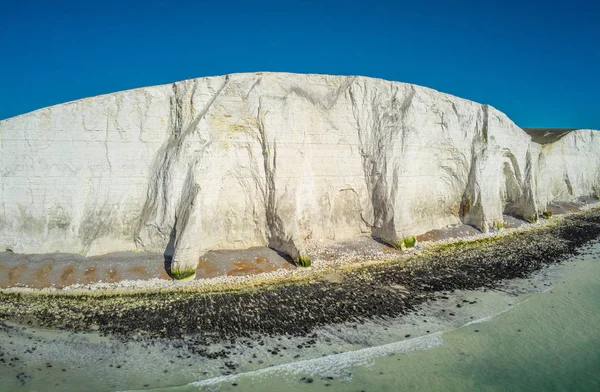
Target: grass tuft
[182,274]
[547,214]
[303,261]
[498,225]
[407,243]
[532,219]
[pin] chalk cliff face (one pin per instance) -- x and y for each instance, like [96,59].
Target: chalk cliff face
[272,159]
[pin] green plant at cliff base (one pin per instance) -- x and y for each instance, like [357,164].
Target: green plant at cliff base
[178,274]
[407,242]
[498,225]
[532,219]
[303,261]
[547,214]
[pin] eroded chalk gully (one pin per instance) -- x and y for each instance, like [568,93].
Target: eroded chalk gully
[435,296]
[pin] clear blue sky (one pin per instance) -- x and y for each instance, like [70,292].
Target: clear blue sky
[537,61]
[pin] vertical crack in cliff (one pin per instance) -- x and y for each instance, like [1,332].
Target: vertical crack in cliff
[568,183]
[106,145]
[143,114]
[378,136]
[270,167]
[455,110]
[529,187]
[455,172]
[119,104]
[406,103]
[471,211]
[257,81]
[364,151]
[512,194]
[518,196]
[185,246]
[277,238]
[255,179]
[158,214]
[484,127]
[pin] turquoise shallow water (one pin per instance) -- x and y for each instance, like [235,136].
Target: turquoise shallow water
[537,334]
[548,342]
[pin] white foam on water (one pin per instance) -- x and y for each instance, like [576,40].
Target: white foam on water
[479,321]
[334,365]
[485,319]
[337,365]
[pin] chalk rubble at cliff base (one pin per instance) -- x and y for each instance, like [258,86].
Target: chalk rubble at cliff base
[268,159]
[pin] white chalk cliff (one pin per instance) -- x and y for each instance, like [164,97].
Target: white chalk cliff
[272,159]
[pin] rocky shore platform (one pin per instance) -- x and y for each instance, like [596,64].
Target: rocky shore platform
[297,305]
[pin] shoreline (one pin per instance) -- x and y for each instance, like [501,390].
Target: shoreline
[299,304]
[321,269]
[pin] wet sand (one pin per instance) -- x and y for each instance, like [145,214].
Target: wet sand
[62,270]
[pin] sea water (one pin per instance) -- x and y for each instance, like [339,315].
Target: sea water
[535,334]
